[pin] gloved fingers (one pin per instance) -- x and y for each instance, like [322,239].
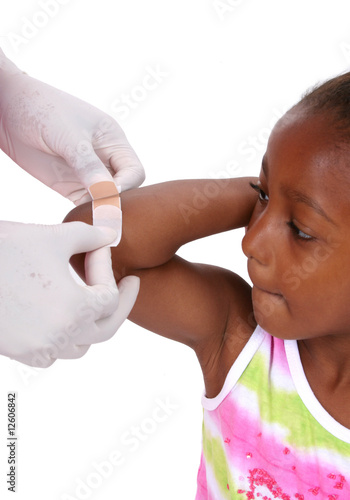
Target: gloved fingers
[98,268]
[101,295]
[37,360]
[80,197]
[128,288]
[73,351]
[129,172]
[61,346]
[82,238]
[105,327]
[62,178]
[114,150]
[101,301]
[86,164]
[102,292]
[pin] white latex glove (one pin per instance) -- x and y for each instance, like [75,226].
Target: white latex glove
[64,142]
[44,313]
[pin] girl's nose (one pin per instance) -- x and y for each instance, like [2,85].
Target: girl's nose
[257,243]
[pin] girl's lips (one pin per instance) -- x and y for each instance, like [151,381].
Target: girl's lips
[276,294]
[257,284]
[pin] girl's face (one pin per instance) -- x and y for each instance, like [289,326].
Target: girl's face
[298,239]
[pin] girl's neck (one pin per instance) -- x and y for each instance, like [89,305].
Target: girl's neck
[329,356]
[326,363]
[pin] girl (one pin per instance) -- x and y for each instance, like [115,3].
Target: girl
[275,358]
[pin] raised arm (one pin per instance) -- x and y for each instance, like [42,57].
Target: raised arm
[159,219]
[195,304]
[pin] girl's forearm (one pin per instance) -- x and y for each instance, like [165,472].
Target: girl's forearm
[159,219]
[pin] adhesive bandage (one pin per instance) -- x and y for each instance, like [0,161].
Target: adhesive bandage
[106,209]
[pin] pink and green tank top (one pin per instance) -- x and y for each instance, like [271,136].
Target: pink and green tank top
[266,436]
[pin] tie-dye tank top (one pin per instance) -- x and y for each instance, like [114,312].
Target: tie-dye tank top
[266,436]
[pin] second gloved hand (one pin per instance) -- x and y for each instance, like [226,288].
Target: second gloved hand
[44,313]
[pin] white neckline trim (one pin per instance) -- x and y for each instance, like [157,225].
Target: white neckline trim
[236,369]
[308,397]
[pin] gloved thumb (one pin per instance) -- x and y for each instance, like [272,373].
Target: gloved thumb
[129,170]
[128,290]
[87,166]
[83,238]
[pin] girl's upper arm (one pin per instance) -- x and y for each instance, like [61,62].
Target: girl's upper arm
[205,307]
[191,303]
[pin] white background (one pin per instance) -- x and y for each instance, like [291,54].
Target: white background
[228,73]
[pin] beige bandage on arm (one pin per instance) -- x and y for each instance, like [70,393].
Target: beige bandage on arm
[106,209]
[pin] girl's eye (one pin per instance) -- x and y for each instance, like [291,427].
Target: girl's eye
[262,195]
[299,233]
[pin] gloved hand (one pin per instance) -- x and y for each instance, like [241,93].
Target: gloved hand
[44,313]
[59,139]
